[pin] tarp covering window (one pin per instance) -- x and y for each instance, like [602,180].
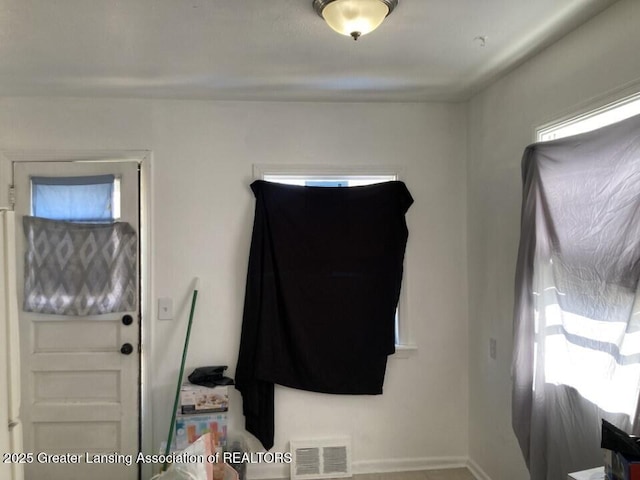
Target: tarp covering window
[323,283]
[79,268]
[577,316]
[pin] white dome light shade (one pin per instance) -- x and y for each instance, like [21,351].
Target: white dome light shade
[355,17]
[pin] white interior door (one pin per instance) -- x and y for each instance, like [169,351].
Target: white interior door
[80,392]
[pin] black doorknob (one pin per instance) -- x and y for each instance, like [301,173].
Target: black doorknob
[127,319]
[126,349]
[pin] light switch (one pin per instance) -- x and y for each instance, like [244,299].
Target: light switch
[165,309]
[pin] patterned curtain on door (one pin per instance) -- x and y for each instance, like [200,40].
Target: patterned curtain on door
[79,269]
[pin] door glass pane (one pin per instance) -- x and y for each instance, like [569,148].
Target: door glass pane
[75,199]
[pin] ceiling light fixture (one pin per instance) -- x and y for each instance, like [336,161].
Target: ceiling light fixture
[354,17]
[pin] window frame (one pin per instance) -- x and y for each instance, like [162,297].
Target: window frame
[590,118]
[405,347]
[595,114]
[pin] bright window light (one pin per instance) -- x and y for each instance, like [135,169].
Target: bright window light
[76,199]
[598,118]
[330,180]
[594,362]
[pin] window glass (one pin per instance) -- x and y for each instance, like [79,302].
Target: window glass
[598,118]
[76,199]
[329,180]
[326,183]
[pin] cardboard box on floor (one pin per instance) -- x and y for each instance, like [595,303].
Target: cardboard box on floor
[200,399]
[190,428]
[619,467]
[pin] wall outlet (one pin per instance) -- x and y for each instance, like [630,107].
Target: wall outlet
[165,309]
[493,348]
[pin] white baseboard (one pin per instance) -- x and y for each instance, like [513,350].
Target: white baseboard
[408,464]
[477,472]
[263,471]
[273,471]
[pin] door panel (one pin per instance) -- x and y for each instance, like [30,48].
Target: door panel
[77,386]
[79,392]
[75,336]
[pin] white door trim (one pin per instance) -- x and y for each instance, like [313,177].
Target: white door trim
[144,158]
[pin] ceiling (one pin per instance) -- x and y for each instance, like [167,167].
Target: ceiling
[270,49]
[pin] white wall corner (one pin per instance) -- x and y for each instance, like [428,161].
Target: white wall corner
[477,471]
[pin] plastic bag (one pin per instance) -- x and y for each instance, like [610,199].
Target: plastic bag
[205,470]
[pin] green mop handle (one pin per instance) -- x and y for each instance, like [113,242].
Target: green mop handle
[184,358]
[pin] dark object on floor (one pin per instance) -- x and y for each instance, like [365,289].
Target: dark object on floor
[323,283]
[619,441]
[210,376]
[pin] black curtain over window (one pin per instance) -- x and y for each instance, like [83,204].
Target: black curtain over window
[323,283]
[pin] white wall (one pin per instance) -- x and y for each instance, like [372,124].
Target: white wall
[202,213]
[597,58]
